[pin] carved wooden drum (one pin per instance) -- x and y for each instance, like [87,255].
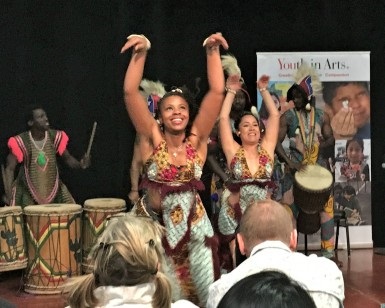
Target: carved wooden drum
[12,245]
[53,236]
[95,215]
[312,188]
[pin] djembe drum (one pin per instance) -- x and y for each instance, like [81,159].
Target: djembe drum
[308,223]
[96,213]
[312,188]
[12,248]
[54,246]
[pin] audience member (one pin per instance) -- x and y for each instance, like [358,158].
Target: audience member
[268,239]
[129,269]
[268,288]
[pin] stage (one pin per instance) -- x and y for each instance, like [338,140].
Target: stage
[363,272]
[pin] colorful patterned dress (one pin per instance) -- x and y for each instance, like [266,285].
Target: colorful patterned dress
[189,240]
[38,179]
[252,187]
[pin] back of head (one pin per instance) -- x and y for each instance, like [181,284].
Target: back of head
[271,289]
[128,253]
[265,220]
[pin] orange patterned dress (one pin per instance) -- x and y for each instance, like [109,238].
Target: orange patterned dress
[189,240]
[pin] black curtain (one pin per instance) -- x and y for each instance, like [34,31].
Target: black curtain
[65,56]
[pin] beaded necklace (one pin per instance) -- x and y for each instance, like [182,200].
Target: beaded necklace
[41,158]
[306,125]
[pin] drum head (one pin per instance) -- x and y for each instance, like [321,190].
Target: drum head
[54,208]
[314,177]
[105,203]
[10,210]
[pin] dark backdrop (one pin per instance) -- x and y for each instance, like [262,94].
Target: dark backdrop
[65,56]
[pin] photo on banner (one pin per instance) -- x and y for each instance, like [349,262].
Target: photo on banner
[345,99]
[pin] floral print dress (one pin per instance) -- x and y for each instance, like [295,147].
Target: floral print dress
[251,187]
[189,239]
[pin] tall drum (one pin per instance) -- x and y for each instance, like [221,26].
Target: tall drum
[308,223]
[12,247]
[96,213]
[54,246]
[312,188]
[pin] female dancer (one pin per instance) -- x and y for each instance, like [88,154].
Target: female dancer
[251,162]
[173,169]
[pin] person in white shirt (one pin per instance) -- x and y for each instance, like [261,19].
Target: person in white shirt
[268,238]
[128,269]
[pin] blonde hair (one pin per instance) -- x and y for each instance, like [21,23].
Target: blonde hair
[128,253]
[265,220]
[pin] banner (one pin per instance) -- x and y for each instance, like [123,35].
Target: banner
[344,98]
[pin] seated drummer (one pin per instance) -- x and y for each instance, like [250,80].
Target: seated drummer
[311,138]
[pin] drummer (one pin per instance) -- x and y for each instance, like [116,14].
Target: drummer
[38,179]
[311,137]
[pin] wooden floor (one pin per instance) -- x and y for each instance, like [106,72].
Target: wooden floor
[364,274]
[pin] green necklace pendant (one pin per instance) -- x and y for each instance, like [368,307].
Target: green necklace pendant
[41,159]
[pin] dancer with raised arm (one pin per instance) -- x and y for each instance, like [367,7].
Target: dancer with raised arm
[174,166]
[251,162]
[152,91]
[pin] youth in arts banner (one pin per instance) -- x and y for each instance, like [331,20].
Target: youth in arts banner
[345,99]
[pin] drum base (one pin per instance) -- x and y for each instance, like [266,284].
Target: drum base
[13,266]
[43,291]
[308,223]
